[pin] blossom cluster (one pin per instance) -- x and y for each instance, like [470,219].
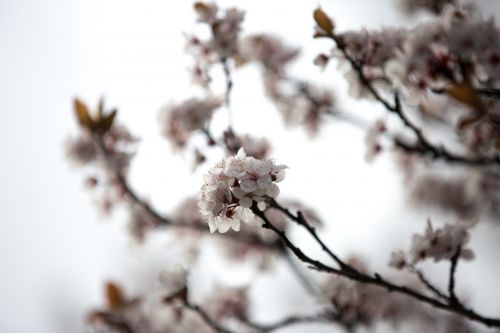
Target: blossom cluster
[181,120]
[439,244]
[371,50]
[299,102]
[433,6]
[267,50]
[458,46]
[360,304]
[224,28]
[233,185]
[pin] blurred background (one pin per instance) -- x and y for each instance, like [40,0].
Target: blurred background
[57,249]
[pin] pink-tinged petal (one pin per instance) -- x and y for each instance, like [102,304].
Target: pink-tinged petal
[248,186]
[246,202]
[273,191]
[246,215]
[280,175]
[236,225]
[238,193]
[212,225]
[223,225]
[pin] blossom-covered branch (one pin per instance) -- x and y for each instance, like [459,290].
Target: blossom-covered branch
[375,279]
[361,67]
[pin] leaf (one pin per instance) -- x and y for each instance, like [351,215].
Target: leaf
[114,296]
[106,122]
[201,6]
[497,144]
[82,114]
[100,108]
[466,94]
[323,21]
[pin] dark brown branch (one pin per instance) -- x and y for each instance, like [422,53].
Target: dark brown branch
[206,318]
[451,282]
[301,220]
[429,285]
[229,88]
[487,92]
[375,279]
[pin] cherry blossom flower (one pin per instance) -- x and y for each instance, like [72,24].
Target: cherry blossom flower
[433,6]
[372,140]
[233,185]
[398,259]
[439,244]
[267,50]
[181,120]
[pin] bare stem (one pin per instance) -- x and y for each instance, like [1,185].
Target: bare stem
[206,318]
[451,283]
[429,284]
[229,88]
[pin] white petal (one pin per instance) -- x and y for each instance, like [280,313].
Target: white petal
[223,225]
[280,175]
[246,202]
[248,186]
[236,225]
[212,226]
[241,153]
[273,191]
[264,181]
[238,192]
[262,205]
[246,215]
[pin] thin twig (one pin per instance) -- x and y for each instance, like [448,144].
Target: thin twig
[206,318]
[429,284]
[451,281]
[301,220]
[300,274]
[229,88]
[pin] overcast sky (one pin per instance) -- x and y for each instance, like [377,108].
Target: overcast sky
[55,248]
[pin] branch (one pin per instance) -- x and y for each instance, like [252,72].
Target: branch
[451,283]
[429,284]
[229,88]
[300,273]
[301,220]
[289,321]
[423,145]
[487,92]
[375,279]
[206,318]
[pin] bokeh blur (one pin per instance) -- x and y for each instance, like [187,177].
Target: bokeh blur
[57,249]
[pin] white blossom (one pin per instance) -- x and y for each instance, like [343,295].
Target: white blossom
[398,259]
[173,279]
[233,185]
[180,120]
[442,243]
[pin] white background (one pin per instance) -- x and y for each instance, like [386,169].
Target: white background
[55,248]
